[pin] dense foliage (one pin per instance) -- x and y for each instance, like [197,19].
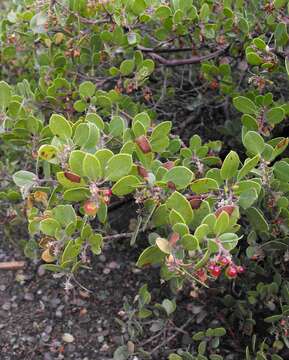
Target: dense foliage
[84,87]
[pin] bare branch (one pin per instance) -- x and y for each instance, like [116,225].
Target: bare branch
[188,61]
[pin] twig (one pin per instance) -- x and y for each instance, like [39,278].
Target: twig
[118,236]
[12,265]
[166,341]
[181,62]
[164,50]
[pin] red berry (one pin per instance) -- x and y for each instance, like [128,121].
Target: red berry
[216,271]
[107,192]
[240,269]
[231,272]
[224,261]
[211,267]
[90,208]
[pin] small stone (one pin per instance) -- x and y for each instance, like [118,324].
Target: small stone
[28,296]
[45,337]
[106,271]
[113,265]
[104,348]
[102,258]
[40,271]
[100,338]
[58,313]
[6,306]
[2,287]
[68,338]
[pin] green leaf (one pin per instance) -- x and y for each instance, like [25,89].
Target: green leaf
[169,306]
[76,194]
[125,185]
[103,155]
[247,198]
[249,165]
[59,126]
[254,142]
[204,185]
[163,12]
[281,34]
[95,241]
[281,170]
[160,215]
[175,357]
[116,126]
[70,252]
[64,214]
[179,203]
[87,89]
[138,6]
[48,152]
[222,223]
[230,166]
[273,318]
[5,95]
[118,166]
[150,256]
[38,23]
[161,130]
[229,240]
[24,178]
[190,242]
[275,115]
[91,167]
[49,226]
[121,353]
[257,220]
[126,67]
[244,105]
[76,161]
[180,176]
[254,59]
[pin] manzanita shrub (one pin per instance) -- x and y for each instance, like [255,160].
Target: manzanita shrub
[81,86]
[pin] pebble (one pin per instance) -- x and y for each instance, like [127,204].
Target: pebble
[40,271]
[68,338]
[45,337]
[6,306]
[102,258]
[28,296]
[100,338]
[106,271]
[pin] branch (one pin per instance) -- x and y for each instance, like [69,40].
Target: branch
[163,50]
[180,62]
[12,265]
[118,236]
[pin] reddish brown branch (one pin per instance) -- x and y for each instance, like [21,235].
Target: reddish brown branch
[12,265]
[188,61]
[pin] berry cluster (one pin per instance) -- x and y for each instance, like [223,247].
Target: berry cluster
[91,206]
[215,267]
